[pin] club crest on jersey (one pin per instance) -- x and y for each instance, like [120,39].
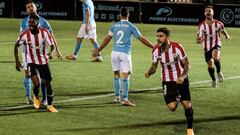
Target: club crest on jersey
[175,57]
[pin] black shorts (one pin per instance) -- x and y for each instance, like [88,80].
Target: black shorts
[42,70]
[171,90]
[208,55]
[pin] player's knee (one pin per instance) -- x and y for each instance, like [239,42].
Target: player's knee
[187,104]
[216,60]
[79,40]
[172,106]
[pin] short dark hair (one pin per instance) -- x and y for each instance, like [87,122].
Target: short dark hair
[164,30]
[34,17]
[209,6]
[124,12]
[28,1]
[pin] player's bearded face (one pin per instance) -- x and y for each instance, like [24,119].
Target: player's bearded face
[31,8]
[161,39]
[33,25]
[209,13]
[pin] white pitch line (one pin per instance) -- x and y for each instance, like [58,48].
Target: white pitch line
[108,95]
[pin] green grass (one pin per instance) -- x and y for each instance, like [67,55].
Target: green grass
[216,111]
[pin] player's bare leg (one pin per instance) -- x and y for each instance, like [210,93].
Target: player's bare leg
[125,89]
[116,81]
[76,51]
[36,83]
[216,57]
[172,106]
[96,45]
[211,71]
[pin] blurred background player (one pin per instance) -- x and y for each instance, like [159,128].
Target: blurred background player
[122,32]
[32,10]
[175,67]
[87,30]
[209,35]
[35,39]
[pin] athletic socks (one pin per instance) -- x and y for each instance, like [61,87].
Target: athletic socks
[27,86]
[189,117]
[218,65]
[125,88]
[116,82]
[96,45]
[77,48]
[211,73]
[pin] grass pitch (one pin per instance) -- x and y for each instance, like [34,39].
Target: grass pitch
[84,90]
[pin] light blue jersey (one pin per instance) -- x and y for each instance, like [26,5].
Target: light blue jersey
[122,32]
[88,5]
[42,22]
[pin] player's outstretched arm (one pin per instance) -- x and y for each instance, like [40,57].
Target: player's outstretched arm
[224,32]
[59,55]
[186,68]
[146,42]
[18,65]
[103,45]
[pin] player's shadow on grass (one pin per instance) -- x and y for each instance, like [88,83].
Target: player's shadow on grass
[87,106]
[7,61]
[201,88]
[14,113]
[156,124]
[84,94]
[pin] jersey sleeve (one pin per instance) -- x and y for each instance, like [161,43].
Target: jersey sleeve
[110,32]
[86,7]
[155,53]
[47,26]
[22,38]
[181,52]
[48,38]
[135,31]
[221,26]
[200,31]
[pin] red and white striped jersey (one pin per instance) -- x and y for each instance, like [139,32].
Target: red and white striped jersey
[35,46]
[210,34]
[170,61]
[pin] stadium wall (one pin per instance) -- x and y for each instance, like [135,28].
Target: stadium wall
[144,12]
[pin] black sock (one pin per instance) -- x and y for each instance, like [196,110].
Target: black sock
[49,99]
[49,93]
[189,117]
[218,65]
[211,73]
[35,90]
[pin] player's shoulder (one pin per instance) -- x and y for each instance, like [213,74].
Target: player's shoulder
[43,29]
[24,32]
[201,23]
[176,44]
[218,21]
[25,20]
[156,48]
[43,19]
